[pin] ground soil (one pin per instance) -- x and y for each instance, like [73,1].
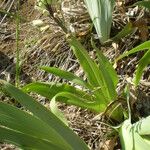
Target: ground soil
[50,48]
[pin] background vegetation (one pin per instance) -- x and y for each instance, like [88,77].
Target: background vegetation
[105,48]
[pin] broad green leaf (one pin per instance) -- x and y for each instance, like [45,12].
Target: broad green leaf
[143,46]
[80,98]
[142,126]
[108,74]
[111,90]
[66,75]
[45,115]
[135,136]
[73,99]
[144,61]
[50,89]
[146,138]
[25,141]
[21,121]
[108,67]
[101,14]
[90,68]
[140,143]
[126,135]
[145,4]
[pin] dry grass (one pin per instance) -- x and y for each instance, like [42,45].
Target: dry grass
[50,48]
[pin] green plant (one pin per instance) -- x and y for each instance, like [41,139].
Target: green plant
[143,3]
[40,129]
[98,92]
[134,136]
[99,89]
[101,14]
[144,61]
[97,95]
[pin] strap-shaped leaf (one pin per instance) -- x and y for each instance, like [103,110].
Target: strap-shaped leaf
[140,143]
[104,62]
[81,98]
[45,115]
[108,74]
[101,14]
[66,75]
[73,99]
[126,135]
[142,126]
[146,139]
[135,136]
[21,121]
[109,80]
[25,141]
[50,89]
[143,46]
[89,66]
[144,61]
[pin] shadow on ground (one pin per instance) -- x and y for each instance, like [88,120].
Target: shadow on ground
[7,70]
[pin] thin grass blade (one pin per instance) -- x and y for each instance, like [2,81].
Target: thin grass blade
[141,47]
[80,98]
